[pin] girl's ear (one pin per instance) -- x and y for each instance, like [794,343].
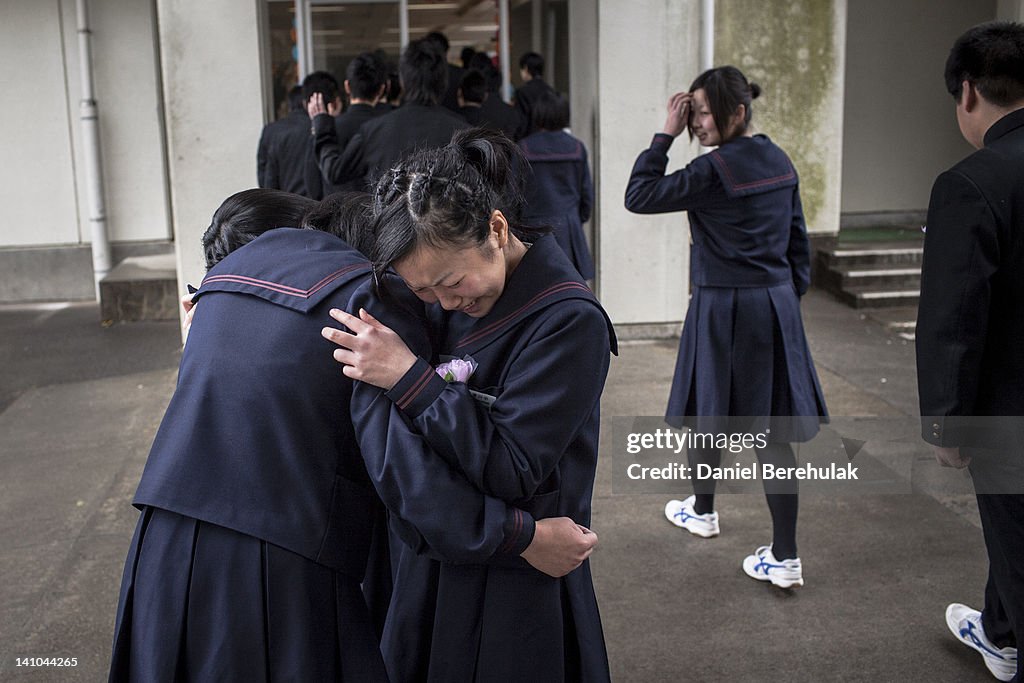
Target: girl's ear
[499,228]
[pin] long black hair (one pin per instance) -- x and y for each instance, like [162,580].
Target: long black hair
[445,196]
[725,88]
[246,215]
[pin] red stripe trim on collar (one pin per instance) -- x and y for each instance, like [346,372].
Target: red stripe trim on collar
[285,289]
[753,183]
[554,289]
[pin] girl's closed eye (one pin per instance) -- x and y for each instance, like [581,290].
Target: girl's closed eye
[455,284]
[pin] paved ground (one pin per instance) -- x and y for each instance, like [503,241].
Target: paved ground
[81,403]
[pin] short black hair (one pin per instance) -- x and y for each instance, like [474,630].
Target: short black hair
[365,75]
[473,86]
[533,63]
[320,82]
[439,39]
[466,55]
[550,111]
[482,63]
[424,73]
[295,100]
[991,56]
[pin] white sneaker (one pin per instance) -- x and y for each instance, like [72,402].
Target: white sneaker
[681,513]
[965,623]
[763,566]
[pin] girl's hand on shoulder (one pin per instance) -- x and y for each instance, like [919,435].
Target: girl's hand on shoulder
[678,114]
[370,350]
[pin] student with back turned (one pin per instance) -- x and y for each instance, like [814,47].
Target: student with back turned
[970,327]
[420,122]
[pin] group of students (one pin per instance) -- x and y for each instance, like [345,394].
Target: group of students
[379,459]
[350,150]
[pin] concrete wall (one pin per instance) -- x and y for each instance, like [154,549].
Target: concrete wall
[42,185]
[213,99]
[900,130]
[794,49]
[642,260]
[1010,10]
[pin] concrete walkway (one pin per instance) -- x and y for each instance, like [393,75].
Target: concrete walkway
[80,405]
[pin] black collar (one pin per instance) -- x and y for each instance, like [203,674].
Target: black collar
[1015,119]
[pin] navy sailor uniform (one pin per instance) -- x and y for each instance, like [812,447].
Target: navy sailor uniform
[743,351]
[257,509]
[525,429]
[559,192]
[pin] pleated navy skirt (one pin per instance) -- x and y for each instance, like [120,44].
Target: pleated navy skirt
[744,365]
[200,602]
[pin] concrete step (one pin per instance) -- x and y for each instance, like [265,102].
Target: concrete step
[884,276]
[874,298]
[140,288]
[870,254]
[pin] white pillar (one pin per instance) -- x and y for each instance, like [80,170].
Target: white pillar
[643,261]
[211,149]
[403,23]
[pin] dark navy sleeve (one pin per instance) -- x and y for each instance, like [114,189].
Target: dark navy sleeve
[551,391]
[961,254]
[799,251]
[439,513]
[651,191]
[337,165]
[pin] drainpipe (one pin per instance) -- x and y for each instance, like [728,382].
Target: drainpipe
[503,47]
[89,116]
[707,42]
[707,35]
[302,39]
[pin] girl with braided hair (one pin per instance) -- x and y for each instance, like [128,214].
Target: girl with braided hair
[520,420]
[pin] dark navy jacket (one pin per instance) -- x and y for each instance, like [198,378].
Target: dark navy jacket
[493,114]
[285,148]
[381,142]
[528,93]
[543,355]
[970,325]
[345,128]
[559,192]
[263,434]
[743,203]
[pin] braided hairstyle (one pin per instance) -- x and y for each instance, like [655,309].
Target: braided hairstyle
[444,197]
[726,88]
